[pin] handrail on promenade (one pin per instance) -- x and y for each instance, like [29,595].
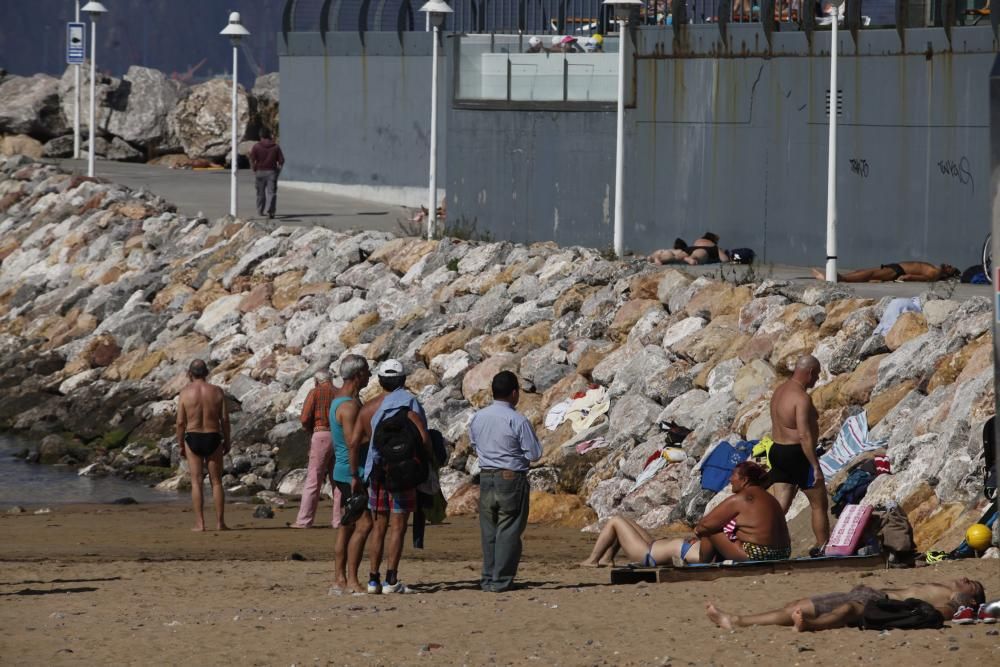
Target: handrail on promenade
[561,17]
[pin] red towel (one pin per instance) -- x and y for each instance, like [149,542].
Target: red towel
[882,465]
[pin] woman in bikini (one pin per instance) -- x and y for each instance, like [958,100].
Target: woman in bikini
[704,250]
[749,525]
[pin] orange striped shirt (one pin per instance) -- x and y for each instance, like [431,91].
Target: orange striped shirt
[316,411]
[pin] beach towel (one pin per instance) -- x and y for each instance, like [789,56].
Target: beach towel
[892,312]
[556,414]
[586,409]
[851,441]
[719,463]
[648,472]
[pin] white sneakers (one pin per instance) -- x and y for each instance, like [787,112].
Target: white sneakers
[398,587]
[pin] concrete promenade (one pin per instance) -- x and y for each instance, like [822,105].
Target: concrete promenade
[207,193]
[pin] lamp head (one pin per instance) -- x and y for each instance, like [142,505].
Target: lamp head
[438,10]
[235,29]
[625,10]
[94,8]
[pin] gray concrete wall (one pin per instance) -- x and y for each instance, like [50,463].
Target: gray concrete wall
[738,145]
[355,114]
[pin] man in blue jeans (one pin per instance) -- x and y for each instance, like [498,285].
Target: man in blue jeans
[506,446]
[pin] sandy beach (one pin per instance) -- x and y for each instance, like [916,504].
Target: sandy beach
[99,584]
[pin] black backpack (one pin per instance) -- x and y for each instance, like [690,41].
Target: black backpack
[397,441]
[908,614]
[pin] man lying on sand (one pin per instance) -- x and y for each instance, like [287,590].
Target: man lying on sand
[839,610]
[749,525]
[916,272]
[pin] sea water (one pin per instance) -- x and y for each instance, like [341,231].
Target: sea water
[35,484]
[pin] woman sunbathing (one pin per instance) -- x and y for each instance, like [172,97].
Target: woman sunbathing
[916,272]
[704,250]
[749,525]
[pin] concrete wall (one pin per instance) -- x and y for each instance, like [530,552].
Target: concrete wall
[355,114]
[738,145]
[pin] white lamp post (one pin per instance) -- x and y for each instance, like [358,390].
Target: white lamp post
[94,9]
[831,165]
[624,11]
[437,11]
[234,31]
[76,101]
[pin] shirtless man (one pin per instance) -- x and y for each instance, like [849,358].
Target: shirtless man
[838,610]
[203,435]
[917,272]
[794,464]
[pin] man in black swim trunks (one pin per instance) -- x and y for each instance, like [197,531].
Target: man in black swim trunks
[917,272]
[794,464]
[203,435]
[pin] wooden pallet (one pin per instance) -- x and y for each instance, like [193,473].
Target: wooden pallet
[713,571]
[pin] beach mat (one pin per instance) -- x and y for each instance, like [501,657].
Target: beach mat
[713,571]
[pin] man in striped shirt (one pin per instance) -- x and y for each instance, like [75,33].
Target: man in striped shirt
[315,419]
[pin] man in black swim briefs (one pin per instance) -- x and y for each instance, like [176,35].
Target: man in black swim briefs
[203,437]
[794,464]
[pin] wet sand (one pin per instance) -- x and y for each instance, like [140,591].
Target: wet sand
[133,585]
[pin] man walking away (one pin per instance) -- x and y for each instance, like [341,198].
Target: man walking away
[506,446]
[390,509]
[203,435]
[794,464]
[315,419]
[266,160]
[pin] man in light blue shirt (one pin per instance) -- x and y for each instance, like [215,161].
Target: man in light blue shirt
[506,446]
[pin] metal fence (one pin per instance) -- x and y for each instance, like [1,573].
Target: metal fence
[587,16]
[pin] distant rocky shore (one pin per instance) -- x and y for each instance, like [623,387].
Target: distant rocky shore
[107,294]
[142,117]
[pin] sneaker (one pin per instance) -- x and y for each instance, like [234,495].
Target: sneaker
[988,613]
[374,588]
[398,587]
[964,616]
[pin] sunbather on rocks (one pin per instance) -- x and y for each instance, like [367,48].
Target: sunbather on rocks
[705,250]
[840,610]
[749,525]
[917,272]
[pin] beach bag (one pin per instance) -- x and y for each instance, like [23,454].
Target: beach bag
[741,255]
[896,533]
[847,533]
[397,441]
[908,614]
[989,460]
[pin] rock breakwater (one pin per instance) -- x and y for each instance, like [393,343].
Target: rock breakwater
[107,294]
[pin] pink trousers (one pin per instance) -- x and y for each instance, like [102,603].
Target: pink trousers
[320,458]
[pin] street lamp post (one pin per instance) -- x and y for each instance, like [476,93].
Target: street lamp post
[235,32]
[625,10]
[93,9]
[831,165]
[437,11]
[76,101]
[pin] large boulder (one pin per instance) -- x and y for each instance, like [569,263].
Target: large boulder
[139,109]
[202,119]
[22,144]
[30,105]
[104,87]
[265,101]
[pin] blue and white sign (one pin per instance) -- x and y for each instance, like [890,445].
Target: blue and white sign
[76,43]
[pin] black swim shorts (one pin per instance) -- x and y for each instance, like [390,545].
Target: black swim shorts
[789,465]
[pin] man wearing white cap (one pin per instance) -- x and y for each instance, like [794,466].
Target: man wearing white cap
[534,45]
[390,509]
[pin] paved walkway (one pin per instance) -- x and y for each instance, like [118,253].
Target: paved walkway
[207,193]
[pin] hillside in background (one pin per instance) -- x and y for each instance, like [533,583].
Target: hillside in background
[174,36]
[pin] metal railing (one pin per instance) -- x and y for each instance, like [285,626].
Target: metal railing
[569,17]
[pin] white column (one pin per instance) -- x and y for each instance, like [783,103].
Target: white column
[93,78]
[831,167]
[76,101]
[432,194]
[620,147]
[235,158]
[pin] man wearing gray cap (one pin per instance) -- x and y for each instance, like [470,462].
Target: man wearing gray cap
[390,509]
[506,446]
